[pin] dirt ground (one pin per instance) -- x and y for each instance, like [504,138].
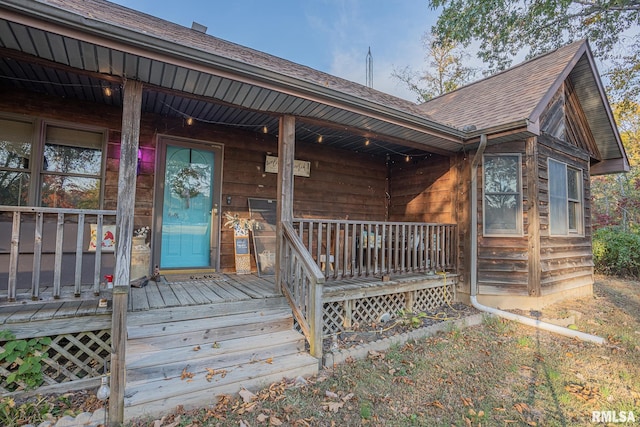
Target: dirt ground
[496,374]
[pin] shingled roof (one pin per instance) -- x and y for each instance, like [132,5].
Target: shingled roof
[126,18]
[515,98]
[510,96]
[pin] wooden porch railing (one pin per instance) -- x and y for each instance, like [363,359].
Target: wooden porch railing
[47,229]
[302,283]
[343,248]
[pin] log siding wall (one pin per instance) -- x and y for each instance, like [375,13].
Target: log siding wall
[566,262]
[503,261]
[421,190]
[343,184]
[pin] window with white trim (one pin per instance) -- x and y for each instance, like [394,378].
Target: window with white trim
[565,199]
[68,174]
[502,195]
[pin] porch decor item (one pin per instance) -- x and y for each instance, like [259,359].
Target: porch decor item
[241,228]
[140,254]
[187,184]
[108,237]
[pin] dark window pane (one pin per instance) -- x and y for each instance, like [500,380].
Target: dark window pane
[573,184]
[14,155]
[14,188]
[76,160]
[558,221]
[70,192]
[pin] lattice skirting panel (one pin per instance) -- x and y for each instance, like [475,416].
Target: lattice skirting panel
[344,315]
[70,357]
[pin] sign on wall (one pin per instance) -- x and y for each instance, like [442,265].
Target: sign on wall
[300,167]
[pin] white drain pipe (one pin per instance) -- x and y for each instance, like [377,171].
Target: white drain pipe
[474,267]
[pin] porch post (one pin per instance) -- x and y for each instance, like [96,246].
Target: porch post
[130,133]
[284,210]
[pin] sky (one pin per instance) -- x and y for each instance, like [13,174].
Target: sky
[332,36]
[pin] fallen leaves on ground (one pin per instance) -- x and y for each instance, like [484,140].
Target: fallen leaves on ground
[587,393]
[186,375]
[212,373]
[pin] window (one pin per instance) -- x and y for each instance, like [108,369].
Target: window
[15,153]
[68,174]
[565,199]
[502,201]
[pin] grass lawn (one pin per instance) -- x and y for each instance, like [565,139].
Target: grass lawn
[497,374]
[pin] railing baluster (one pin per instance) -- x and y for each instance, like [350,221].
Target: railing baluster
[363,248]
[37,256]
[354,245]
[57,263]
[13,258]
[79,244]
[98,256]
[383,248]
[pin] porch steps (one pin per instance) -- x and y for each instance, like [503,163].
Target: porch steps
[190,355]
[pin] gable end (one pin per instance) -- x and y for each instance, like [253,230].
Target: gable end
[564,119]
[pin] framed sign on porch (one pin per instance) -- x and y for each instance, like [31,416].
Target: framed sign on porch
[241,228]
[263,212]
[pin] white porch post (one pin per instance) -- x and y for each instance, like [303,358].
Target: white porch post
[130,134]
[286,156]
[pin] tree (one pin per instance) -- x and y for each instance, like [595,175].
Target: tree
[446,71]
[505,28]
[616,198]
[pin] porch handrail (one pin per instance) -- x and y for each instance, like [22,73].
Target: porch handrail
[61,216]
[348,248]
[302,283]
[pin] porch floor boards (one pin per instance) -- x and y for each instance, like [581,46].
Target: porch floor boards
[220,288]
[184,292]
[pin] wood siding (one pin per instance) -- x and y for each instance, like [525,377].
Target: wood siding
[566,262]
[421,190]
[503,261]
[343,184]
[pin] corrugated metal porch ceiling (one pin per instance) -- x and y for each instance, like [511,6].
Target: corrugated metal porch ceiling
[58,65]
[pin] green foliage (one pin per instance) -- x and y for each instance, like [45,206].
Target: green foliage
[411,320]
[32,411]
[25,358]
[615,252]
[501,29]
[365,410]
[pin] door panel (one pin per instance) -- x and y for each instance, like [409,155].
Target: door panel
[188,207]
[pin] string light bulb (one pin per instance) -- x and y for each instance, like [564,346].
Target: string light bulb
[189,121]
[104,391]
[319,139]
[107,91]
[407,159]
[366,142]
[265,129]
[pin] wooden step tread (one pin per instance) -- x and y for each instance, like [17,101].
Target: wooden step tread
[247,375]
[212,310]
[163,329]
[202,365]
[140,355]
[197,337]
[193,399]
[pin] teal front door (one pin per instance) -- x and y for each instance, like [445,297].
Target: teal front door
[189,207]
